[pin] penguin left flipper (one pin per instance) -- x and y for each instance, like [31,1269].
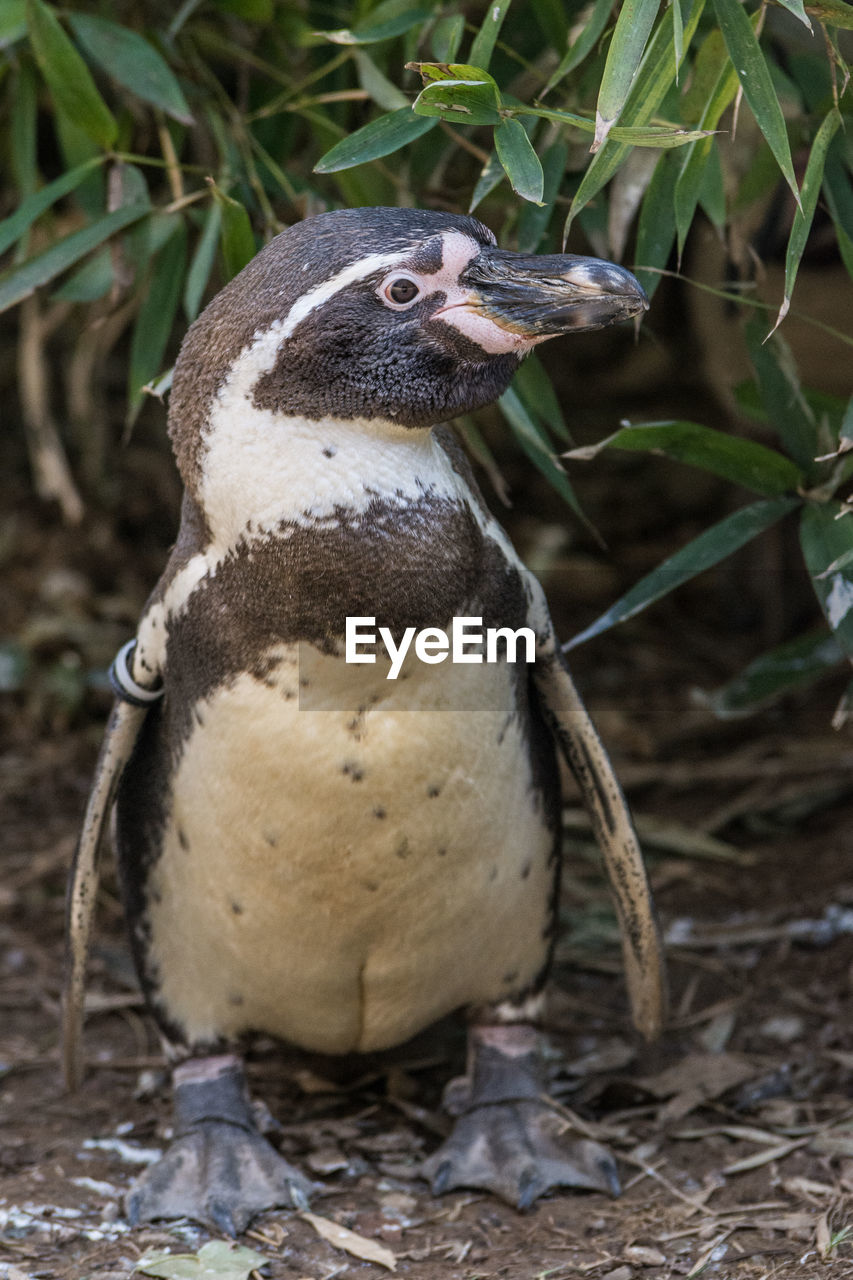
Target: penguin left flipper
[133,701]
[219,1170]
[508,1139]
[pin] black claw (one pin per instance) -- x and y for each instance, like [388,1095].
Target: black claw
[441,1181]
[222,1216]
[528,1189]
[611,1175]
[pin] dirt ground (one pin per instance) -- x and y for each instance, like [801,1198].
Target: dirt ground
[734,1133]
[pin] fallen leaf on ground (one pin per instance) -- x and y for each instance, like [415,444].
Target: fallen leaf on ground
[707,1074]
[351,1241]
[216,1260]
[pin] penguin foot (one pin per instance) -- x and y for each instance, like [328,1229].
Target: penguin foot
[219,1170]
[507,1139]
[518,1150]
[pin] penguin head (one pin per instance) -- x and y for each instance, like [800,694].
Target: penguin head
[402,315]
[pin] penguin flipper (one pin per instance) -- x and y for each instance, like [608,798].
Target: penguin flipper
[587,758]
[122,731]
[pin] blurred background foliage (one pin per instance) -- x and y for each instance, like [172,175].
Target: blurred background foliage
[149,152]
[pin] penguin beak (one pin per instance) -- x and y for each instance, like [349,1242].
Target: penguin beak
[535,297]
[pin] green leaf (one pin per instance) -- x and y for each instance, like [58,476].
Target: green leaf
[533,219]
[385,94]
[536,445]
[491,176]
[447,36]
[132,61]
[68,78]
[484,41]
[835,13]
[826,535]
[649,135]
[24,110]
[712,546]
[459,92]
[236,235]
[754,76]
[91,281]
[792,665]
[627,46]
[13,227]
[216,1260]
[781,394]
[202,261]
[13,21]
[797,8]
[520,162]
[22,281]
[805,213]
[588,38]
[653,81]
[656,225]
[371,32]
[536,391]
[379,138]
[734,458]
[156,316]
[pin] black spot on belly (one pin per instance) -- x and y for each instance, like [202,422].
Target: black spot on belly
[493,874]
[237,908]
[329,451]
[525,871]
[510,978]
[442,851]
[352,771]
[182,839]
[433,790]
[379,812]
[403,848]
[235,999]
[271,837]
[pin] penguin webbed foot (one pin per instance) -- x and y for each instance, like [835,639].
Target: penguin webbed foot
[219,1170]
[507,1140]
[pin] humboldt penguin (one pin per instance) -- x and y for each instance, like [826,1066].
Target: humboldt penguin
[308,848]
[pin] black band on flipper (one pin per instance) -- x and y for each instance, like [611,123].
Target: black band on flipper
[123,684]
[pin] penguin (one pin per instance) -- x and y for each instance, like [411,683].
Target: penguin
[310,845]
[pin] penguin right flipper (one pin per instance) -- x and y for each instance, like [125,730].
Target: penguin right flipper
[128,715]
[219,1170]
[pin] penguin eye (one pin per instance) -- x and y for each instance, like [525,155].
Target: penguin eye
[402,291]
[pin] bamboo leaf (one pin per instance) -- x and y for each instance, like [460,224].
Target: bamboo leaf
[536,392]
[236,235]
[156,316]
[805,213]
[68,78]
[742,461]
[649,135]
[13,21]
[13,227]
[653,81]
[520,162]
[793,665]
[536,445]
[656,225]
[630,36]
[385,94]
[91,281]
[378,138]
[447,36]
[484,41]
[712,546]
[586,41]
[826,536]
[786,407]
[754,76]
[835,13]
[373,31]
[132,61]
[20,282]
[797,8]
[457,91]
[491,176]
[202,261]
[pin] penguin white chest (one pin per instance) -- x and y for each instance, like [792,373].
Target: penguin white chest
[342,878]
